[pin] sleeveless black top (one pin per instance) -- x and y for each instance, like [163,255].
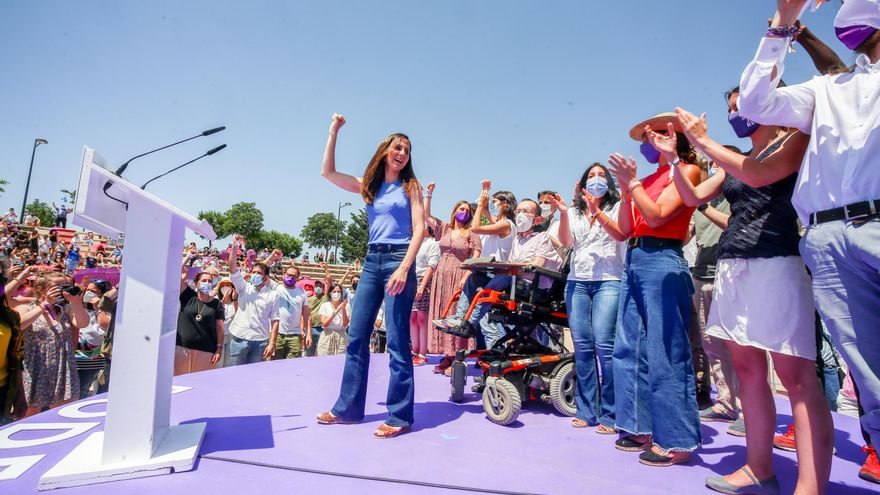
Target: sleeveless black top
[763,223]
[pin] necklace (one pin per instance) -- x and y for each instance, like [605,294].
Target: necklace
[199,314]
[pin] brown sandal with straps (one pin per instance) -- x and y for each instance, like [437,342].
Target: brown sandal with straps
[328,418]
[387,431]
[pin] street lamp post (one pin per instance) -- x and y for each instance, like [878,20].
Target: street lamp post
[27,184]
[338,213]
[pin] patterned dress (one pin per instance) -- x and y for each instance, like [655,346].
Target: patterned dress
[453,250]
[49,367]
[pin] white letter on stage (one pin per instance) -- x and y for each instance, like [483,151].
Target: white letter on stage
[70,430]
[16,466]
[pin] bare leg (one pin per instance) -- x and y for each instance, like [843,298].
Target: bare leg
[813,426]
[759,412]
[423,332]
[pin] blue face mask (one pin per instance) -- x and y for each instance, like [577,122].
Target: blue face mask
[650,152]
[596,186]
[257,279]
[493,210]
[206,287]
[742,126]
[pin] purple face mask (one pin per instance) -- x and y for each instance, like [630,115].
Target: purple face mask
[463,216]
[289,280]
[650,152]
[854,36]
[742,126]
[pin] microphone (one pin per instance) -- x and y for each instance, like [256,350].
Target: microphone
[208,153]
[204,133]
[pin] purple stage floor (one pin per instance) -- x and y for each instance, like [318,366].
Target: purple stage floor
[262,438]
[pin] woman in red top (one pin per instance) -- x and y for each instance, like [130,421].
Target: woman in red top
[656,401]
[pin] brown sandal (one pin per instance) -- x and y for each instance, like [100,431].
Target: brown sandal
[606,430]
[579,423]
[328,418]
[387,431]
[445,363]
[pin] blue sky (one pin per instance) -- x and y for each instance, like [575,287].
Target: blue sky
[525,93]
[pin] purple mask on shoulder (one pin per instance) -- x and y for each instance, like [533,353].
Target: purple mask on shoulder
[463,216]
[650,152]
[742,126]
[854,36]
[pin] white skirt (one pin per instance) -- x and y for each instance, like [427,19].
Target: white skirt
[765,303]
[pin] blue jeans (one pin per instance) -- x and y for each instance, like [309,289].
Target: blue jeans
[243,351]
[653,372]
[844,258]
[491,332]
[378,267]
[316,334]
[592,317]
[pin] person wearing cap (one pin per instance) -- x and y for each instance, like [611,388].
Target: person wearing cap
[837,196]
[656,404]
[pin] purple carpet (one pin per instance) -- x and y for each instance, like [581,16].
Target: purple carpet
[262,438]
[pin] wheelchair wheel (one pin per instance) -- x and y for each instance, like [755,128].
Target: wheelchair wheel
[501,401]
[563,389]
[458,381]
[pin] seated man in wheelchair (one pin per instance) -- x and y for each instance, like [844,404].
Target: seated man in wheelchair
[529,248]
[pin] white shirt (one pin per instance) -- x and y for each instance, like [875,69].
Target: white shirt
[335,324]
[840,112]
[290,308]
[428,256]
[595,255]
[256,310]
[500,247]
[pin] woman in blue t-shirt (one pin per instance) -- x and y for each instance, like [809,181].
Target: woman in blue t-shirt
[396,224]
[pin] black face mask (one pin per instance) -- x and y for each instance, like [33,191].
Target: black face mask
[354,286]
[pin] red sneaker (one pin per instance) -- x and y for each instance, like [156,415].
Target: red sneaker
[786,440]
[871,468]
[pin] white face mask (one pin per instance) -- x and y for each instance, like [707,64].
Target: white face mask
[523,222]
[335,296]
[546,210]
[226,290]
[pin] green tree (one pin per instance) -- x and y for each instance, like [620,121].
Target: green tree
[217,221]
[321,231]
[272,239]
[3,182]
[354,242]
[243,218]
[42,211]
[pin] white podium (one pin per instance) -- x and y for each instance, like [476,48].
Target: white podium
[137,440]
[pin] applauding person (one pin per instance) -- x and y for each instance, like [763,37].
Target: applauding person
[654,392]
[593,291]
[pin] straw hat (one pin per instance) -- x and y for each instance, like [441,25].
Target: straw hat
[657,123]
[225,280]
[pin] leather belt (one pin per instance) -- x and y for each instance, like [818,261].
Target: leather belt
[862,209]
[653,242]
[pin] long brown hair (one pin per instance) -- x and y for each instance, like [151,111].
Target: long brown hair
[453,222]
[374,175]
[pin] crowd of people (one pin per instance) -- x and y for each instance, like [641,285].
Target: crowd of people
[716,268]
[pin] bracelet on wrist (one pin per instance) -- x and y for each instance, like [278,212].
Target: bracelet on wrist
[702,207]
[633,184]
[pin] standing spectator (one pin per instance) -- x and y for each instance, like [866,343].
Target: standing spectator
[199,326]
[229,297]
[592,292]
[10,340]
[31,220]
[255,326]
[837,203]
[331,259]
[457,243]
[72,261]
[653,372]
[60,215]
[116,257]
[11,217]
[50,327]
[293,317]
[306,258]
[89,362]
[318,298]
[335,318]
[427,260]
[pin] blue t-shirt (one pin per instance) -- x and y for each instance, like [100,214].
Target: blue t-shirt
[73,254]
[389,215]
